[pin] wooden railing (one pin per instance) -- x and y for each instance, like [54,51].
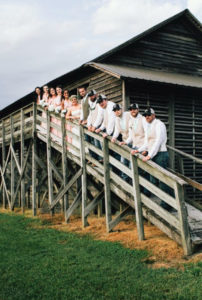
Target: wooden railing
[70,139]
[180,169]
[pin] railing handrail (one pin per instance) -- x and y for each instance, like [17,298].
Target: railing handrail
[198,160]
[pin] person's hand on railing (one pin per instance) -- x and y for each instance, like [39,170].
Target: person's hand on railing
[133,152]
[146,158]
[113,140]
[89,128]
[98,130]
[104,135]
[93,128]
[122,143]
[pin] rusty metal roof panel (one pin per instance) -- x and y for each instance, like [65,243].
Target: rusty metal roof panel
[151,75]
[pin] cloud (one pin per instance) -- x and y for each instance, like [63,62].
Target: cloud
[196,7]
[133,16]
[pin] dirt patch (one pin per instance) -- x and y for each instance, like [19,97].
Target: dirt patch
[164,252]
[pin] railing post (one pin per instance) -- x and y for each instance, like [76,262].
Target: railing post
[183,218]
[137,198]
[12,164]
[34,161]
[22,153]
[107,183]
[83,177]
[48,148]
[3,161]
[64,165]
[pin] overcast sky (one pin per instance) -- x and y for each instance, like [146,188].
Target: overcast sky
[43,39]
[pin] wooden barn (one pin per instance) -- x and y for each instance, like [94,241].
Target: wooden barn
[162,67]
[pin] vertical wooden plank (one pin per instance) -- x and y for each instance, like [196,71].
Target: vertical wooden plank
[137,198]
[183,218]
[3,160]
[83,177]
[12,164]
[48,148]
[64,166]
[171,131]
[107,183]
[22,153]
[125,97]
[34,161]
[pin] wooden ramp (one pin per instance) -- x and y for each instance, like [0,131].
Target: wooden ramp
[137,194]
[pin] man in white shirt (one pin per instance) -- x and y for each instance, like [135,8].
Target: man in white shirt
[94,120]
[137,124]
[107,126]
[84,105]
[154,147]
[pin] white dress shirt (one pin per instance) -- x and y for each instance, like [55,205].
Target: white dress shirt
[109,118]
[157,131]
[95,108]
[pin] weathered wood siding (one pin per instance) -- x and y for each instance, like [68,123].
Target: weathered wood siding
[175,48]
[103,83]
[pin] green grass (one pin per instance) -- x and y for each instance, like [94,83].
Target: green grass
[48,264]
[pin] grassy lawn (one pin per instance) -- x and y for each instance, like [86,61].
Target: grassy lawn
[48,264]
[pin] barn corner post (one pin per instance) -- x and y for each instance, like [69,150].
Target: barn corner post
[137,197]
[125,97]
[34,137]
[183,218]
[107,189]
[83,177]
[64,166]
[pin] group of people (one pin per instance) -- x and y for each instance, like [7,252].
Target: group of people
[143,133]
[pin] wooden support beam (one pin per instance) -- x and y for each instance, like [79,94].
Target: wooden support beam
[125,212]
[3,160]
[171,130]
[183,218]
[64,166]
[56,171]
[21,176]
[83,177]
[48,149]
[12,188]
[22,153]
[137,198]
[5,188]
[65,189]
[74,205]
[94,203]
[107,184]
[34,137]
[15,159]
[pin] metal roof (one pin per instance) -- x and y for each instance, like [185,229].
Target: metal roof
[140,73]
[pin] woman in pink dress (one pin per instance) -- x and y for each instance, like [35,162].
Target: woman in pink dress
[38,95]
[73,113]
[51,108]
[66,102]
[44,103]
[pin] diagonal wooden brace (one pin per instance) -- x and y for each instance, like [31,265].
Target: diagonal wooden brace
[94,203]
[73,206]
[21,176]
[65,189]
[127,211]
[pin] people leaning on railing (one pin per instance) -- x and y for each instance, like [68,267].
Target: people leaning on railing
[146,133]
[154,147]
